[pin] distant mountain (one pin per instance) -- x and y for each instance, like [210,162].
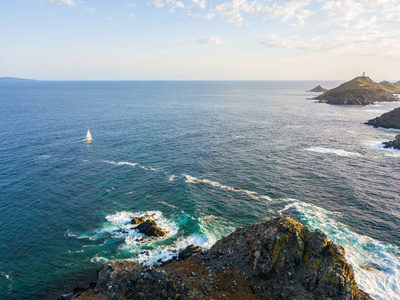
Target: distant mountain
[358,91]
[14,79]
[318,89]
[390,87]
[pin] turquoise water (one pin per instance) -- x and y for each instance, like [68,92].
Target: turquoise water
[205,157]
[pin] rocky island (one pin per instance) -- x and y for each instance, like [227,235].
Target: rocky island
[318,89]
[361,90]
[276,259]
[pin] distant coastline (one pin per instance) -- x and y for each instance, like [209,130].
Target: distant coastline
[15,79]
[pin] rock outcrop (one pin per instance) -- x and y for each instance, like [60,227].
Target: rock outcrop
[390,119]
[276,259]
[390,87]
[359,91]
[142,219]
[395,144]
[318,89]
[150,228]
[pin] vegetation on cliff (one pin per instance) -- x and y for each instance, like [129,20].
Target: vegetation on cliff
[358,91]
[390,87]
[318,89]
[276,259]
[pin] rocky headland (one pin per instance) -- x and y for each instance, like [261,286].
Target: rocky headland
[358,91]
[390,119]
[276,259]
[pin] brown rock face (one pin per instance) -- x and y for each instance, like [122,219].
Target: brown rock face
[150,228]
[140,220]
[393,144]
[276,259]
[390,119]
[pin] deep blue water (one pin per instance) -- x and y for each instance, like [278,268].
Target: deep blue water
[206,157]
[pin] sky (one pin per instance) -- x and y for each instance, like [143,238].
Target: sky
[199,39]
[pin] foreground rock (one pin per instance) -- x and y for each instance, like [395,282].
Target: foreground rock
[390,119]
[318,89]
[276,259]
[393,144]
[359,91]
[150,228]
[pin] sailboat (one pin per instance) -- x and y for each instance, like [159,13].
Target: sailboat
[88,136]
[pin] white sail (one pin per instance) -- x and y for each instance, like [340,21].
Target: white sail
[88,136]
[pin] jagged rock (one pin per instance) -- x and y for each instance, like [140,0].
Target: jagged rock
[189,251]
[150,228]
[358,91]
[390,119]
[393,144]
[140,220]
[276,259]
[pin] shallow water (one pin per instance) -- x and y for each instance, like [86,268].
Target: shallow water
[205,157]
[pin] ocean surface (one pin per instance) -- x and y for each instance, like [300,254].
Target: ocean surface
[205,157]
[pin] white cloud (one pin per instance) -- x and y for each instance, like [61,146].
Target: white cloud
[291,9]
[65,2]
[360,25]
[343,9]
[210,40]
[200,3]
[275,41]
[110,19]
[131,16]
[131,5]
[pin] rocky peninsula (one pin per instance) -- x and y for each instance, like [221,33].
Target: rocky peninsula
[390,119]
[361,90]
[276,259]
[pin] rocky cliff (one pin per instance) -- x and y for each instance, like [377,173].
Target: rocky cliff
[276,259]
[390,119]
[359,91]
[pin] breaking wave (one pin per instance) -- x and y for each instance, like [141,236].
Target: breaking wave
[339,152]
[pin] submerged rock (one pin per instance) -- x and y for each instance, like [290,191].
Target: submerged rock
[276,259]
[393,144]
[150,228]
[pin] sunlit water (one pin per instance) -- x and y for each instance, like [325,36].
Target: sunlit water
[204,157]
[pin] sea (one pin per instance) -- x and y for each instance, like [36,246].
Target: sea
[203,157]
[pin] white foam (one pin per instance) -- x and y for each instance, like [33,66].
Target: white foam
[167,204]
[97,259]
[254,195]
[339,152]
[378,145]
[170,177]
[361,251]
[126,163]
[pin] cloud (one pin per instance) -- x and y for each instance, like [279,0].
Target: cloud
[65,2]
[360,25]
[291,9]
[131,16]
[275,41]
[210,40]
[110,19]
[131,5]
[343,9]
[172,4]
[200,3]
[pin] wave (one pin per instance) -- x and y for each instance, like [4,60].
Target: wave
[122,163]
[252,194]
[378,145]
[376,264]
[339,152]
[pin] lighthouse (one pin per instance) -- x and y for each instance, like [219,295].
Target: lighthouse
[363,75]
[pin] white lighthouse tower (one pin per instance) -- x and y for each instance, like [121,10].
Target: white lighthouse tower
[363,75]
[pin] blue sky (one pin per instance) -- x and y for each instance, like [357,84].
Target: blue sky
[199,39]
